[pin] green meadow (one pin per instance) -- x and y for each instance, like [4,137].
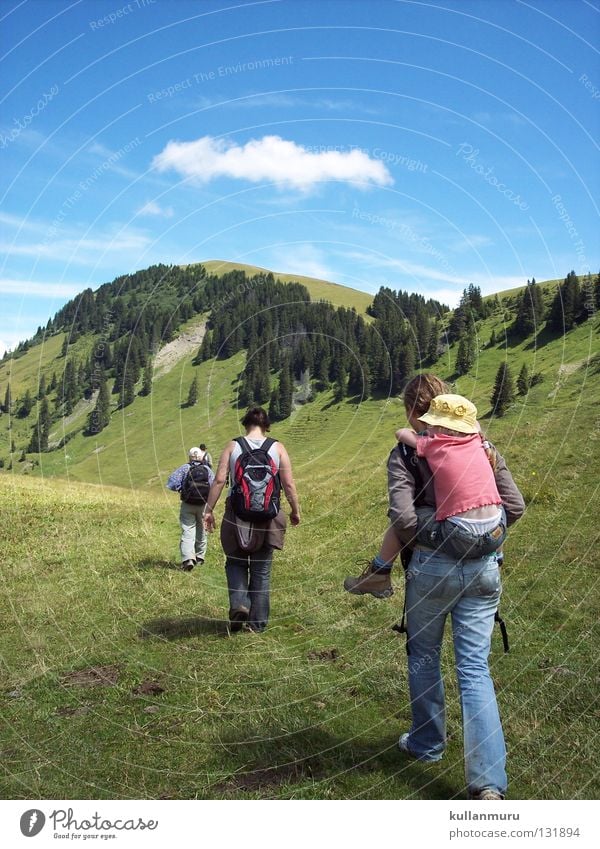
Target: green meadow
[119,676]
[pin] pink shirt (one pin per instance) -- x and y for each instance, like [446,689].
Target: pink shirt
[462,475]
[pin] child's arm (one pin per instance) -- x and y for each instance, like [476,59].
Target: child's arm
[407,436]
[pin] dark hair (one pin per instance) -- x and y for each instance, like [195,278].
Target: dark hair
[257,417]
[202,446]
[420,391]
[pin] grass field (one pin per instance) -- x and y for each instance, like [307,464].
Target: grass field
[93,608]
[119,679]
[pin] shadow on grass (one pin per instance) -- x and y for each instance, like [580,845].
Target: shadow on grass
[181,627]
[157,563]
[278,765]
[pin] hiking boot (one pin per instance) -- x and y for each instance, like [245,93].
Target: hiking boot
[403,745]
[188,565]
[379,584]
[237,617]
[487,795]
[199,561]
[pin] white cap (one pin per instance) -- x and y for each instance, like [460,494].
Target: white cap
[195,454]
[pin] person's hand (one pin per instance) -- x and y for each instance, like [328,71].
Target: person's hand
[209,521]
[295,518]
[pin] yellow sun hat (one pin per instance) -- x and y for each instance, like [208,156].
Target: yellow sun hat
[453,412]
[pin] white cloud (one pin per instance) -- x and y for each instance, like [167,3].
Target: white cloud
[271,158]
[28,288]
[153,208]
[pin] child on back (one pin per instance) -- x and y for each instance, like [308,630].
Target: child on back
[469,520]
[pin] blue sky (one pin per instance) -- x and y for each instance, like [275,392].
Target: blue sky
[424,146]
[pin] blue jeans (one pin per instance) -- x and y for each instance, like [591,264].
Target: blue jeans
[248,582]
[437,585]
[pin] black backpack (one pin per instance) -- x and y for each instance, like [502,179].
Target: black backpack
[196,484]
[256,491]
[409,455]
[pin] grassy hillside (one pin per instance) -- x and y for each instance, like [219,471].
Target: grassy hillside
[89,583]
[339,296]
[93,605]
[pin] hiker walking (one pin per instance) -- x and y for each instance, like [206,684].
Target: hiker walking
[253,524]
[206,455]
[439,584]
[192,481]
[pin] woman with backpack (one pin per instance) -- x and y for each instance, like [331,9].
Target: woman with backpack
[439,586]
[253,525]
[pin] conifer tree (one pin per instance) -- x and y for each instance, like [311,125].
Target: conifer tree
[41,431]
[274,405]
[286,390]
[147,381]
[41,388]
[467,350]
[504,391]
[127,396]
[523,380]
[192,398]
[26,405]
[340,389]
[493,340]
[7,400]
[99,418]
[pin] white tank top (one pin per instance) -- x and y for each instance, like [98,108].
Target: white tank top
[253,442]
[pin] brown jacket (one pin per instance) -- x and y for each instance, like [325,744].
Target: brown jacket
[271,534]
[402,493]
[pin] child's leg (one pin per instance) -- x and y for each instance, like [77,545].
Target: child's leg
[390,549]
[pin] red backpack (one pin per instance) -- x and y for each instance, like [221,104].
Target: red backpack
[256,491]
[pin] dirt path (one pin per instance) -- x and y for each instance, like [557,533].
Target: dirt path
[186,343]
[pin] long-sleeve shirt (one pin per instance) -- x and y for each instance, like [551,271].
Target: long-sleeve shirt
[177,477]
[402,490]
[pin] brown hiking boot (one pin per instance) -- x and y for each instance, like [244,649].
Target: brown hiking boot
[379,584]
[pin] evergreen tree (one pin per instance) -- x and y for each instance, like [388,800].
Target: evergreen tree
[147,382]
[99,418]
[566,306]
[274,406]
[53,383]
[530,310]
[340,389]
[286,390]
[25,406]
[41,431]
[23,456]
[523,380]
[7,400]
[434,343]
[192,398]
[127,396]
[65,346]
[504,391]
[466,354]
[41,388]
[493,340]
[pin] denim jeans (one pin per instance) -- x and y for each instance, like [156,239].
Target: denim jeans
[437,585]
[193,538]
[248,582]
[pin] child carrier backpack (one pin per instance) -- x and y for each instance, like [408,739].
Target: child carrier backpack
[256,489]
[196,484]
